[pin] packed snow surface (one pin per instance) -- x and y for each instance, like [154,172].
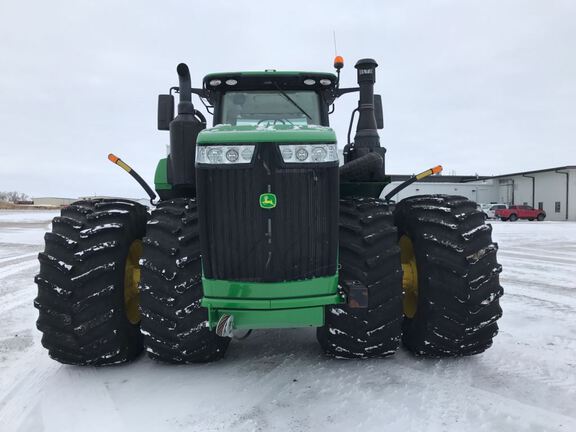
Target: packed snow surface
[278,380]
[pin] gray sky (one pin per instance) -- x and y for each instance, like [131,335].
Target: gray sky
[486,86]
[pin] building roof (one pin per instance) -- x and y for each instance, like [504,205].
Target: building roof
[471,178]
[534,172]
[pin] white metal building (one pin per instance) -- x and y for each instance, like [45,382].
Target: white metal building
[481,191]
[552,189]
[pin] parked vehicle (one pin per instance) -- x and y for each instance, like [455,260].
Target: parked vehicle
[493,208]
[489,210]
[484,208]
[513,213]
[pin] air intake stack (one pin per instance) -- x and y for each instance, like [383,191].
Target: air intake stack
[367,139]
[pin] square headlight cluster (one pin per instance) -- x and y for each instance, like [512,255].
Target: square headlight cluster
[308,153]
[223,154]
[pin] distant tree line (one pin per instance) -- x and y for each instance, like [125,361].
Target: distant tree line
[13,196]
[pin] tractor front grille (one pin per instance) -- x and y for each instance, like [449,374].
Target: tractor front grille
[298,239]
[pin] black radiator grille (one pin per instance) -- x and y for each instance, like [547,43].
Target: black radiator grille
[235,230]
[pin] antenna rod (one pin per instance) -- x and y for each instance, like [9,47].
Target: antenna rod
[334,37]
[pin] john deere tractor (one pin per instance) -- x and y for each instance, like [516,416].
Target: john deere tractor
[257,226]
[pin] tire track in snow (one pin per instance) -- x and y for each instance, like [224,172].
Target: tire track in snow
[537,370]
[13,300]
[555,260]
[90,406]
[471,397]
[270,384]
[21,397]
[17,257]
[553,306]
[13,269]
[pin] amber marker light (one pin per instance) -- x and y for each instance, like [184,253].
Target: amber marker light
[338,62]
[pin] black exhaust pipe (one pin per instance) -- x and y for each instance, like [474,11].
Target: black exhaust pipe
[367,139]
[184,130]
[184,87]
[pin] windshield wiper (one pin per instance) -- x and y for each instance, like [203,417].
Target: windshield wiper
[292,101]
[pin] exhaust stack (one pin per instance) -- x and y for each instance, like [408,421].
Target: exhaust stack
[184,130]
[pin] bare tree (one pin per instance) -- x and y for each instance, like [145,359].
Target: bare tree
[13,196]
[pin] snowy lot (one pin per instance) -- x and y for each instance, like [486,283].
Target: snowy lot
[279,380]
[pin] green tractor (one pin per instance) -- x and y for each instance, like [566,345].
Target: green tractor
[258,227]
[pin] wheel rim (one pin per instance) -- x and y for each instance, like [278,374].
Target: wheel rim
[132,281]
[409,276]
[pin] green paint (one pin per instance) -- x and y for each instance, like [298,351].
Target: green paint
[268,201]
[161,176]
[263,319]
[321,286]
[290,303]
[270,304]
[224,134]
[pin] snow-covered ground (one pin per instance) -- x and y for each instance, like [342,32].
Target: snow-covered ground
[279,380]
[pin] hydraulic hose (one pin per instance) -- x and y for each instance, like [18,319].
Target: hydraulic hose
[411,180]
[135,176]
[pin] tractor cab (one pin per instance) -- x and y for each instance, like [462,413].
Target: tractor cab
[270,98]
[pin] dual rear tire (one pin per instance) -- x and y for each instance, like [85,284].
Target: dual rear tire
[112,282]
[433,252]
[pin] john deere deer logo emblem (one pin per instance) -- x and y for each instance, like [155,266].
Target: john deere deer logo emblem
[268,201]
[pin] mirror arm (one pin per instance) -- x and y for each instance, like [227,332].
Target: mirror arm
[339,92]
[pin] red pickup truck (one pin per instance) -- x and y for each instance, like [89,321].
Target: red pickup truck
[513,213]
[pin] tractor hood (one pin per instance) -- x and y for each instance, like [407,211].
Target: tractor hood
[223,134]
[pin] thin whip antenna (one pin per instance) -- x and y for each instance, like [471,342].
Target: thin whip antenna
[334,37]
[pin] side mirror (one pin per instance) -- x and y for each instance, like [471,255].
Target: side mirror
[165,111]
[378,112]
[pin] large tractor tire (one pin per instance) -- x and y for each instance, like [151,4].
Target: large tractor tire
[88,283]
[174,325]
[451,276]
[369,256]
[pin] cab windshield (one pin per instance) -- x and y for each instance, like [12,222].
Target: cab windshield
[270,108]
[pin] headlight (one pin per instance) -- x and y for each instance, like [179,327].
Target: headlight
[238,154]
[309,153]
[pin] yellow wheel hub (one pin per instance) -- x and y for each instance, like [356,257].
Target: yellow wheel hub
[131,282]
[409,277]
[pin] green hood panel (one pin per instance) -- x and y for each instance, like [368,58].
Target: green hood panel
[223,134]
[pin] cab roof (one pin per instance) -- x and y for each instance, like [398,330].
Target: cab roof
[268,79]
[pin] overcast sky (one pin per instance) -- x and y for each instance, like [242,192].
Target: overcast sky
[485,86]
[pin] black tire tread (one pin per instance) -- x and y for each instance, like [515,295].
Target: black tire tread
[173,322]
[80,284]
[459,290]
[368,253]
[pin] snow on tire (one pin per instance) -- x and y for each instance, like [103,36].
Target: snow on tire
[458,276]
[369,254]
[174,325]
[81,283]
